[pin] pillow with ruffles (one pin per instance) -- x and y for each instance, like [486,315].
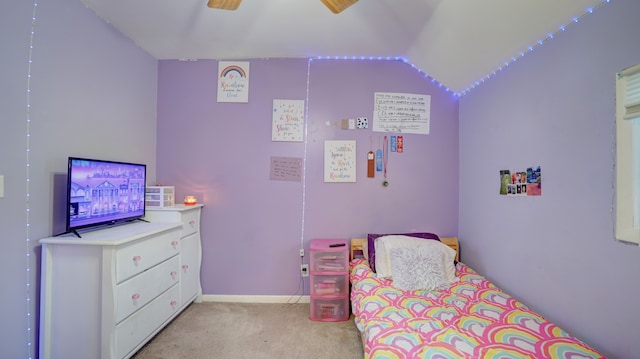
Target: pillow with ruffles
[418,268]
[371,247]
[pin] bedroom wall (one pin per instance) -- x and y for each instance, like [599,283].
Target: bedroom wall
[253,227]
[556,253]
[93,93]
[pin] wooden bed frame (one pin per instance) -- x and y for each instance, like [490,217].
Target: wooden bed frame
[356,246]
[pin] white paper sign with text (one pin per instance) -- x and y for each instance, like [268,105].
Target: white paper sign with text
[402,113]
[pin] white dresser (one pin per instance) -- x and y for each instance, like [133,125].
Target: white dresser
[106,294]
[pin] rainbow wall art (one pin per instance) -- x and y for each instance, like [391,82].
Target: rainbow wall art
[233,81]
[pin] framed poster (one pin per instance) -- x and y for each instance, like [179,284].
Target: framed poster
[340,161]
[233,81]
[288,120]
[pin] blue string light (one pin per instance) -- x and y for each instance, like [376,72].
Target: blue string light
[484,78]
[538,44]
[385,58]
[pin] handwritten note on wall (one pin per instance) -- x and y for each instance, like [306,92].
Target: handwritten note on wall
[233,81]
[288,120]
[340,161]
[286,169]
[402,113]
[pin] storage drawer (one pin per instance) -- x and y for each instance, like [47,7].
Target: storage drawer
[134,293]
[322,284]
[325,258]
[141,255]
[136,329]
[190,223]
[150,202]
[189,217]
[330,261]
[330,309]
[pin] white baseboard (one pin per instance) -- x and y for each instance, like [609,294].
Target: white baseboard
[255,298]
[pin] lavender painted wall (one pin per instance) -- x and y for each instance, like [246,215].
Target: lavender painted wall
[93,94]
[556,253]
[252,227]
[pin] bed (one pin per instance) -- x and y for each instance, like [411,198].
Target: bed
[469,317]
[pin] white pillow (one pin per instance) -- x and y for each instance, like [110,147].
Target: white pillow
[417,269]
[385,244]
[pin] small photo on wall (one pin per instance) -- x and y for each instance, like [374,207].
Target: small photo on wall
[534,181]
[505,180]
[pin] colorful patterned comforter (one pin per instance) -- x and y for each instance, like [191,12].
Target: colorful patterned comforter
[471,319]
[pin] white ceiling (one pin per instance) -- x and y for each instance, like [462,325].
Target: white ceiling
[456,42]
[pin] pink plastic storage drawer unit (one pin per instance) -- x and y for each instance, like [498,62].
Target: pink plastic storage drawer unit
[327,258]
[329,293]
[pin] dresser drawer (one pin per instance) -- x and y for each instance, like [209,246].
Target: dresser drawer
[136,292]
[134,331]
[190,222]
[141,255]
[189,216]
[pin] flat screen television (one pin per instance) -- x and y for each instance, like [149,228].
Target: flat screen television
[101,192]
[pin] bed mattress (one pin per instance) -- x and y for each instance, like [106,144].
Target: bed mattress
[471,319]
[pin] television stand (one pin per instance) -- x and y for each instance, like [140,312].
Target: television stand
[138,219]
[73,231]
[112,224]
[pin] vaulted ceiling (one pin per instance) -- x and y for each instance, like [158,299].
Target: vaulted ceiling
[457,42]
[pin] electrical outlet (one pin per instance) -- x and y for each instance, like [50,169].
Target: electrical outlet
[304,270]
[301,252]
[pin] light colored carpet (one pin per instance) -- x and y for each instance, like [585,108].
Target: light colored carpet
[252,330]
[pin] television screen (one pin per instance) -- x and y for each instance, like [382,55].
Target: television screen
[103,192]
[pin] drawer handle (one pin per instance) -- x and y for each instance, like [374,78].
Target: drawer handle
[185,266]
[192,222]
[137,259]
[136,296]
[174,274]
[174,244]
[173,303]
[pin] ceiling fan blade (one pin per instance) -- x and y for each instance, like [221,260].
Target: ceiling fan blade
[224,4]
[336,6]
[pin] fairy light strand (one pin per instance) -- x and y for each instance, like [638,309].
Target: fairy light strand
[29,317]
[530,48]
[304,156]
[480,81]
